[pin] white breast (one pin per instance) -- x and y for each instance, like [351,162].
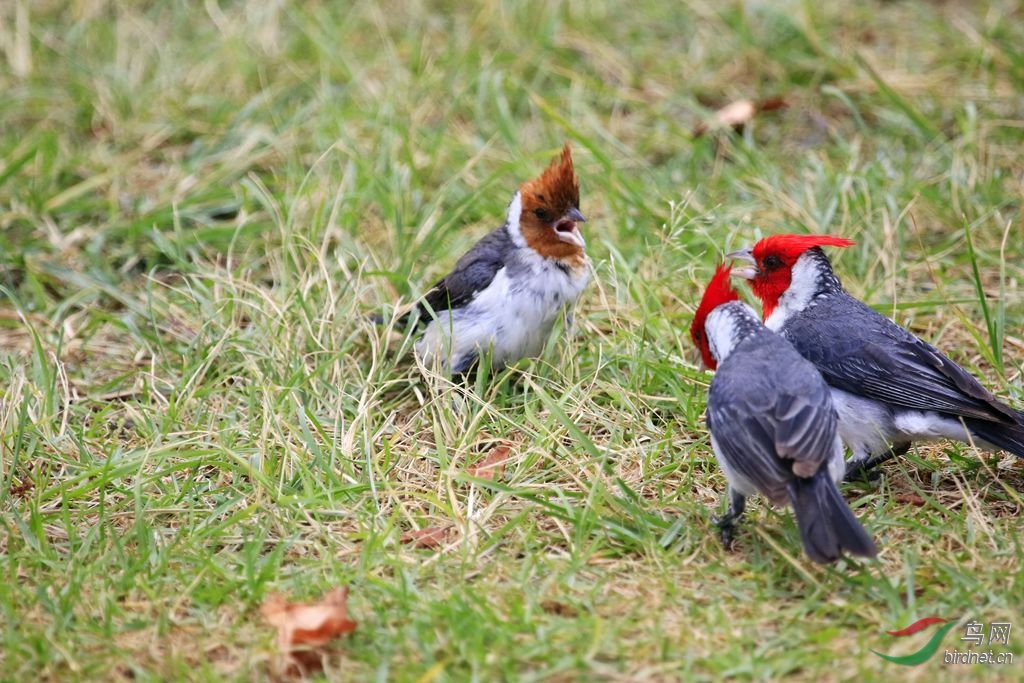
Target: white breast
[802,286]
[512,317]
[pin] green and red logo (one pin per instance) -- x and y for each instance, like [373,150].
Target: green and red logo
[929,648]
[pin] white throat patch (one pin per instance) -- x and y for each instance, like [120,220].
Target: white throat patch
[515,210]
[803,285]
[722,330]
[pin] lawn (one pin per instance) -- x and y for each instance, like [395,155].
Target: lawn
[201,205]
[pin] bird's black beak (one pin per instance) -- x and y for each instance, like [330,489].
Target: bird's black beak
[566,230]
[745,272]
[574,214]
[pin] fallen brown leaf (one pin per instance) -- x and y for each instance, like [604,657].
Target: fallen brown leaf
[771,104]
[910,499]
[493,466]
[558,608]
[427,537]
[737,114]
[301,626]
[21,488]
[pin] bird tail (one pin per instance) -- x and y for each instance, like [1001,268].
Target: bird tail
[827,525]
[1007,436]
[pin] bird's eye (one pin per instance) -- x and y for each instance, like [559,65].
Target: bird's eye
[772,261]
[542,214]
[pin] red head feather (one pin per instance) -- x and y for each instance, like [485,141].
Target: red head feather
[789,247]
[775,256]
[718,292]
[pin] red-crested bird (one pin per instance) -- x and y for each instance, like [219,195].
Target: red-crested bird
[772,424]
[503,296]
[889,387]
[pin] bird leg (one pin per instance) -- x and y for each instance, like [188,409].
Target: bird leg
[865,470]
[727,523]
[465,365]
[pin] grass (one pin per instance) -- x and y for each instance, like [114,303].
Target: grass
[200,204]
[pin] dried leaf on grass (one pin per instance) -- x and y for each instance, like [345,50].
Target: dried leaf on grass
[493,466]
[910,499]
[737,114]
[302,627]
[427,537]
[558,608]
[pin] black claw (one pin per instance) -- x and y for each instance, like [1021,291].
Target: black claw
[863,472]
[726,530]
[727,523]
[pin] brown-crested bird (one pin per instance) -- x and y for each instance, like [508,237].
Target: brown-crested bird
[502,298]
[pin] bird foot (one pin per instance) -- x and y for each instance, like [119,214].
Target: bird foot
[727,523]
[726,529]
[862,472]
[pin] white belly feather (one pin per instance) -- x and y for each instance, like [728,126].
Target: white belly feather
[512,316]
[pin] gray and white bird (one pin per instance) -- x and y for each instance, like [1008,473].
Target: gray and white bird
[889,387]
[773,427]
[504,295]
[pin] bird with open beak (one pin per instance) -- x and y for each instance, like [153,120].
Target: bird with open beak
[502,298]
[889,387]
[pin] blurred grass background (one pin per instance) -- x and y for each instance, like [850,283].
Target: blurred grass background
[200,204]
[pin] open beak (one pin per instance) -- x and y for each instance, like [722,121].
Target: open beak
[745,272]
[566,228]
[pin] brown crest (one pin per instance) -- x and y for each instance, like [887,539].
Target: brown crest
[548,204]
[557,188]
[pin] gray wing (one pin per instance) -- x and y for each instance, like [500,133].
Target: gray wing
[771,414]
[874,357]
[472,274]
